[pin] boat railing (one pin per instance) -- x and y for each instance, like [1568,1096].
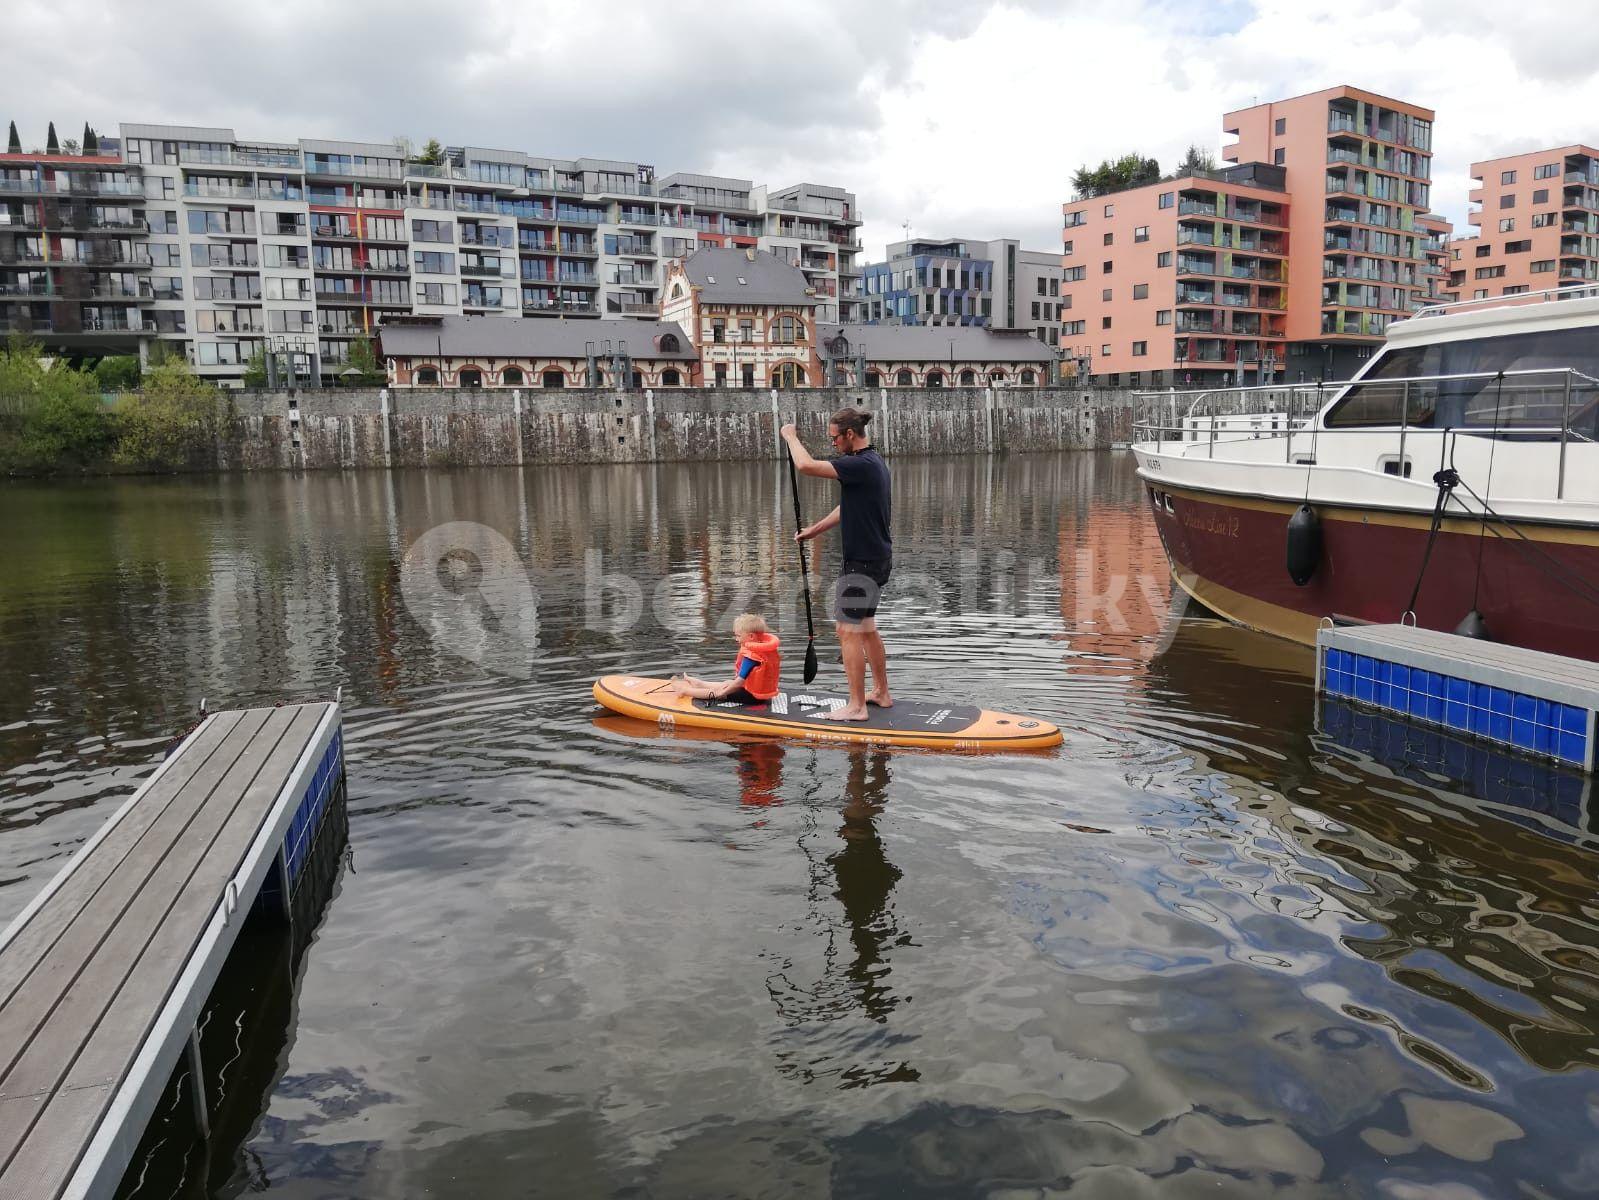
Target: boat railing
[1543,404]
[1480,303]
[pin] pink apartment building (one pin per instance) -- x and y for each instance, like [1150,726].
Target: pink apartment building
[1289,264]
[1537,220]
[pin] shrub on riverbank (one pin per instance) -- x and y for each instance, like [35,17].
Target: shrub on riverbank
[169,422]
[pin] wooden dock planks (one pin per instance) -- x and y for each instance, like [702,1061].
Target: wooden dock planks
[88,972]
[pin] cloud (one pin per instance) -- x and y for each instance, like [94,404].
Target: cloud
[961,118]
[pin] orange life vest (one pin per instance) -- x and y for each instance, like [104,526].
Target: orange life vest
[762,650]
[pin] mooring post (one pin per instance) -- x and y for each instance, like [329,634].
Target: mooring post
[777,424]
[202,1118]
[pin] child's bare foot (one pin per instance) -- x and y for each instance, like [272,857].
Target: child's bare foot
[847,713]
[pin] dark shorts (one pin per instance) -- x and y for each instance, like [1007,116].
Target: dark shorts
[740,696]
[859,589]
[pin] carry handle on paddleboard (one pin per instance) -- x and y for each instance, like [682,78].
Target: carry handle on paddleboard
[805,575]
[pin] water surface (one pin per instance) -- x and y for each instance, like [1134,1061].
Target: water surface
[1215,945]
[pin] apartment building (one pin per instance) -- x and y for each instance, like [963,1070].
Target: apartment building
[964,281]
[1359,168]
[305,246]
[72,229]
[1178,282]
[1436,272]
[1537,220]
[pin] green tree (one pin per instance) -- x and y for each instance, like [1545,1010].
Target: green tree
[170,422]
[14,143]
[118,373]
[70,146]
[364,358]
[91,140]
[51,144]
[255,370]
[432,154]
[56,418]
[1115,175]
[1195,162]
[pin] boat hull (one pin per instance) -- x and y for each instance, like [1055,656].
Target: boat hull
[1229,553]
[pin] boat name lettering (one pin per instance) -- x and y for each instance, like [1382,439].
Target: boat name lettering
[1226,525]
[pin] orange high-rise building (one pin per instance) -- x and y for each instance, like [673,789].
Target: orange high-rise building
[1287,265]
[1537,220]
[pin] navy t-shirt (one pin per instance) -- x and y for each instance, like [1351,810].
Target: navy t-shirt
[864,505]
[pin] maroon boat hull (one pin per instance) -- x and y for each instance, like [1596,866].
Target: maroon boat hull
[1229,552]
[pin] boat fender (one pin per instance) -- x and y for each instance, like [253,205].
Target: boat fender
[1304,544]
[1472,625]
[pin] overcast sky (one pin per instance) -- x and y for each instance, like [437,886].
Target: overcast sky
[962,118]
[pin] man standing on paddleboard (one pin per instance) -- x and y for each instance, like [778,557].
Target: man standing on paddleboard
[862,515]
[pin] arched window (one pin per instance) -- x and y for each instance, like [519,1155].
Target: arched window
[874,379]
[469,377]
[638,379]
[512,377]
[1028,378]
[996,376]
[789,375]
[670,377]
[935,379]
[787,330]
[670,344]
[903,379]
[428,376]
[553,378]
[968,378]
[677,290]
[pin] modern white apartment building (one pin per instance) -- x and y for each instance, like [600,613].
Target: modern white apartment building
[307,245]
[965,281]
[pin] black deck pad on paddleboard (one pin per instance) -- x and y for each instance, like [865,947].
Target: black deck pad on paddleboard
[907,716]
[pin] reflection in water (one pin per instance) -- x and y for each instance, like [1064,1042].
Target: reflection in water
[1208,948]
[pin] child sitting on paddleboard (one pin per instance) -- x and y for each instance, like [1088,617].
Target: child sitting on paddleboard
[755,670]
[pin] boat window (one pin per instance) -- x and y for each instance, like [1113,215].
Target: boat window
[1379,399]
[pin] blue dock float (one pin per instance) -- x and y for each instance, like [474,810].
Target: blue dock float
[105,973]
[1535,703]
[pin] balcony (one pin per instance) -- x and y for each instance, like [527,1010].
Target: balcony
[376,169]
[632,308]
[1195,237]
[637,219]
[283,160]
[561,306]
[569,218]
[481,270]
[635,249]
[580,249]
[1338,122]
[578,279]
[238,191]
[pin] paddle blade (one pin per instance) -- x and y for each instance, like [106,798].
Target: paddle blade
[810,661]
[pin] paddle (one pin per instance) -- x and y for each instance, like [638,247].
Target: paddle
[805,574]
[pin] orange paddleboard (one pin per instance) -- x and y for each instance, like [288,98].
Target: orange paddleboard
[801,713]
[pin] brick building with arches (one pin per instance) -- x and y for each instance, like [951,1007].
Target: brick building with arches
[923,356]
[490,352]
[750,315]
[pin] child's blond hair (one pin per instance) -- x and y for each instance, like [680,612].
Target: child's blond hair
[748,623]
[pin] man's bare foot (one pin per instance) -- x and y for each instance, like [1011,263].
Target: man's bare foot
[880,699]
[847,713]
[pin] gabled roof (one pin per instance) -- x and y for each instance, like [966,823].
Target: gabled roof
[530,337]
[745,277]
[936,343]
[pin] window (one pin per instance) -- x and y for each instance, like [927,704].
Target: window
[434,262]
[1507,177]
[1141,233]
[553,378]
[1066,302]
[1110,210]
[1073,274]
[1524,246]
[1480,294]
[1546,171]
[1491,272]
[1281,126]
[1073,328]
[968,378]
[1035,310]
[1519,289]
[1166,199]
[1508,200]
[1140,291]
[1542,220]
[1540,196]
[1104,296]
[718,330]
[1067,248]
[787,330]
[1104,322]
[721,375]
[1104,350]
[746,375]
[1163,317]
[1027,378]
[469,377]
[432,231]
[435,293]
[1506,224]
[1110,239]
[903,379]
[1163,259]
[512,377]
[1484,251]
[1542,266]
[1105,268]
[935,379]
[670,377]
[1140,349]
[1074,219]
[1277,156]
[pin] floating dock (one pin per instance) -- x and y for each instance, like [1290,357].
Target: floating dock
[1538,704]
[103,975]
